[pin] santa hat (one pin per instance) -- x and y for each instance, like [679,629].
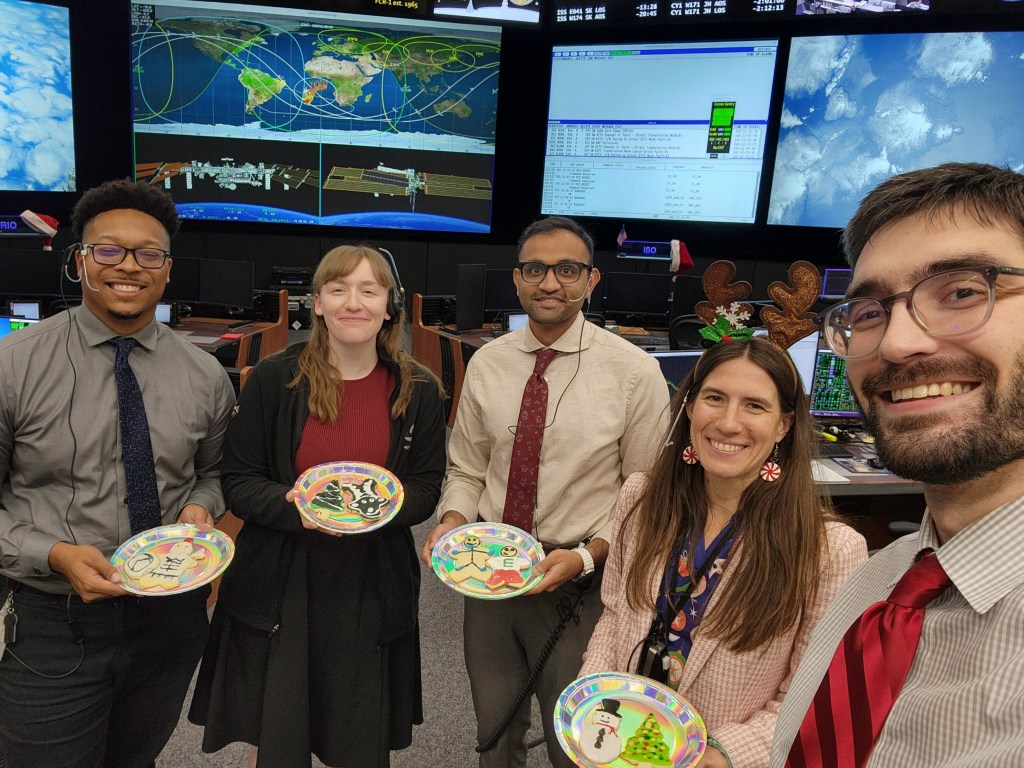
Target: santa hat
[44,225]
[681,260]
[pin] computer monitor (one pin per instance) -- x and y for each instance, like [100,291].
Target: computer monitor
[859,108]
[834,284]
[804,354]
[28,309]
[163,313]
[500,292]
[184,285]
[11,324]
[516,320]
[676,365]
[831,394]
[248,113]
[683,139]
[639,295]
[226,283]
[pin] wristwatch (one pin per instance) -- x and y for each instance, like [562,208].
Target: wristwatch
[588,562]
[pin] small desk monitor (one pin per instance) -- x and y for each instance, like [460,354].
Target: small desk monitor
[11,324]
[676,365]
[28,309]
[163,313]
[516,320]
[637,294]
[831,395]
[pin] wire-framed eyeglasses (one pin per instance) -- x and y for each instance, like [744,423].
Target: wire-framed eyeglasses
[111,255]
[566,272]
[946,304]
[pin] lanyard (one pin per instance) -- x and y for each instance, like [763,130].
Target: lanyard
[682,591]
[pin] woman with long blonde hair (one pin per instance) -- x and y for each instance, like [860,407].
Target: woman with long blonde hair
[314,646]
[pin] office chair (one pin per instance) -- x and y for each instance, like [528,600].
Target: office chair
[684,332]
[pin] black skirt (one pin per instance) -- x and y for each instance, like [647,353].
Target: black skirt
[321,682]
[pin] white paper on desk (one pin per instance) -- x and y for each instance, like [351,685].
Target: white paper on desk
[822,473]
[202,339]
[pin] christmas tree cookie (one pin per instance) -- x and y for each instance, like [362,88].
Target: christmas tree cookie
[329,501]
[646,747]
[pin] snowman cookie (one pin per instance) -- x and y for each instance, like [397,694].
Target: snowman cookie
[600,742]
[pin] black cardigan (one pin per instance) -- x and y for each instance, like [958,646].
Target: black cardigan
[259,468]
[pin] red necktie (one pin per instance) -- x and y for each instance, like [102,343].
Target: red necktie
[521,494]
[867,673]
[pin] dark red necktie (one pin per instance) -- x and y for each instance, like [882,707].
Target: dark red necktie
[867,673]
[521,495]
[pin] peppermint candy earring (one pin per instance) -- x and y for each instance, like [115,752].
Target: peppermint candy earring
[690,455]
[771,471]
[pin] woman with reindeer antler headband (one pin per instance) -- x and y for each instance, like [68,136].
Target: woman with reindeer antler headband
[724,556]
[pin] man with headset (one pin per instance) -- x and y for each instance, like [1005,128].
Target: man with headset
[90,675]
[606,404]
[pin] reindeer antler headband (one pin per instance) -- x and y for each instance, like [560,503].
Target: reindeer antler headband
[725,315]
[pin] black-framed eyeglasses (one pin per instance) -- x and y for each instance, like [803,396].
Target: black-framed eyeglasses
[950,303]
[566,272]
[111,255]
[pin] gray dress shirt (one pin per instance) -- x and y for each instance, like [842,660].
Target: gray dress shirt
[962,704]
[61,475]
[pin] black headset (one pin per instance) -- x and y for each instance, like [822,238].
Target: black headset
[396,296]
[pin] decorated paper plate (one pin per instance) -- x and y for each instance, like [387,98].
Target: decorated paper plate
[627,721]
[172,559]
[491,561]
[355,497]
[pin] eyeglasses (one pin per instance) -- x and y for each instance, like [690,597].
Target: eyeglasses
[566,272]
[947,304]
[111,255]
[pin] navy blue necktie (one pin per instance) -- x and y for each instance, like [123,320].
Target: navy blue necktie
[136,448]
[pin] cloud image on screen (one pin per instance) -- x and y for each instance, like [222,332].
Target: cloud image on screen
[859,109]
[37,138]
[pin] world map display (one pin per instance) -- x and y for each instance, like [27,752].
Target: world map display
[273,98]
[37,137]
[861,108]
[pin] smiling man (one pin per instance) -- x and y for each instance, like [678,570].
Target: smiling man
[933,333]
[110,425]
[552,418]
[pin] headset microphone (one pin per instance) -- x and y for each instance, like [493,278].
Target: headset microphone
[85,274]
[85,271]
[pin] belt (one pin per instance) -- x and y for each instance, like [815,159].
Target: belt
[17,586]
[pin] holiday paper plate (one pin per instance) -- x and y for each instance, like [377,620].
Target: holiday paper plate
[627,721]
[491,561]
[172,559]
[355,497]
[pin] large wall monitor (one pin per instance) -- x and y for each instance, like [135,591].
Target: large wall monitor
[37,143]
[666,131]
[259,114]
[860,108]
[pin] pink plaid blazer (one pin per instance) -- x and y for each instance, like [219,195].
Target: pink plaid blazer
[737,694]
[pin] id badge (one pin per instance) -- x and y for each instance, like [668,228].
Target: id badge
[6,613]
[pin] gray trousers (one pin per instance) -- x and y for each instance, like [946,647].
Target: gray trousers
[503,639]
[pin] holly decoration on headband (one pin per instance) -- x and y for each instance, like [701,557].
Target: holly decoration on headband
[728,325]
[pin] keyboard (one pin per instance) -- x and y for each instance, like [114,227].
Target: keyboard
[645,341]
[833,450]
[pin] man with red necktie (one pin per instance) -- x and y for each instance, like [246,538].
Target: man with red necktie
[918,662]
[552,418]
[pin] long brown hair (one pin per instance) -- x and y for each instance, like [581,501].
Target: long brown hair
[315,361]
[780,525]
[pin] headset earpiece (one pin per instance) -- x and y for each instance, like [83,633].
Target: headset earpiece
[396,296]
